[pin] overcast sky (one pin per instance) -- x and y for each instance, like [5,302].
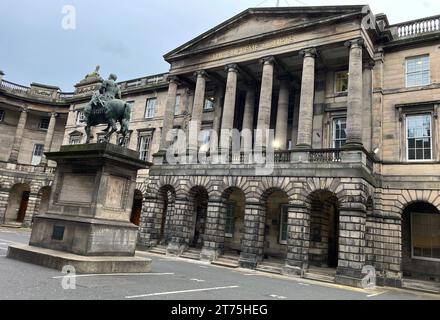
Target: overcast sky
[128,37]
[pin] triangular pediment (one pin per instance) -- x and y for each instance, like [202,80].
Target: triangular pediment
[76,133]
[256,23]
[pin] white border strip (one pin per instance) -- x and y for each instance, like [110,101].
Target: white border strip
[178,292]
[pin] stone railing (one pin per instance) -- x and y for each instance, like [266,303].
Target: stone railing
[13,87]
[26,168]
[311,156]
[142,82]
[24,91]
[325,155]
[20,90]
[417,27]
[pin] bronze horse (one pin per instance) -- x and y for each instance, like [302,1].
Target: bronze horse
[114,111]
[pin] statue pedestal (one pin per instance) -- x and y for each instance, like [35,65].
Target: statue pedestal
[88,224]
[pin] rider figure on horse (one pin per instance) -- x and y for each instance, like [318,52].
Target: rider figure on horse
[107,107]
[108,91]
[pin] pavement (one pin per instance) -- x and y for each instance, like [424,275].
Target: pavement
[171,279]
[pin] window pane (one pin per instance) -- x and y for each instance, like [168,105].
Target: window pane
[339,133]
[419,137]
[151,108]
[2,115]
[418,71]
[341,81]
[426,235]
[177,107]
[37,154]
[144,147]
[44,123]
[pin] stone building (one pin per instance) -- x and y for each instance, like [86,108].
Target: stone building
[354,105]
[32,121]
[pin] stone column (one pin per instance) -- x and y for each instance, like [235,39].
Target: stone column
[168,118]
[49,136]
[265,105]
[298,241]
[367,112]
[352,227]
[282,115]
[18,136]
[249,108]
[354,100]
[219,101]
[214,237]
[197,110]
[305,126]
[253,237]
[229,105]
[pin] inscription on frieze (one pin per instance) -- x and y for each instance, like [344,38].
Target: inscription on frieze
[273,43]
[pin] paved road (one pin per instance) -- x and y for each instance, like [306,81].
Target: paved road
[173,279]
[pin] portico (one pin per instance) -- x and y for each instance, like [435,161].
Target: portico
[285,80]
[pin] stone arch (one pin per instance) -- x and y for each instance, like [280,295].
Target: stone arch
[18,201]
[408,197]
[332,185]
[199,182]
[198,198]
[420,241]
[153,186]
[268,185]
[142,187]
[240,183]
[324,220]
[275,201]
[232,211]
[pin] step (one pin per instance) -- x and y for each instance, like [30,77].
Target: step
[224,262]
[191,255]
[12,225]
[270,268]
[319,277]
[426,286]
[158,250]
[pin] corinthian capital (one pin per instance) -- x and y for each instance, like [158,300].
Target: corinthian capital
[233,67]
[173,79]
[201,73]
[307,53]
[268,60]
[355,43]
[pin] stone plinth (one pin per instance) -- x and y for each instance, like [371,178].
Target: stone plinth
[90,209]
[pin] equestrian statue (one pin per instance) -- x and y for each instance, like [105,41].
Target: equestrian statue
[107,107]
